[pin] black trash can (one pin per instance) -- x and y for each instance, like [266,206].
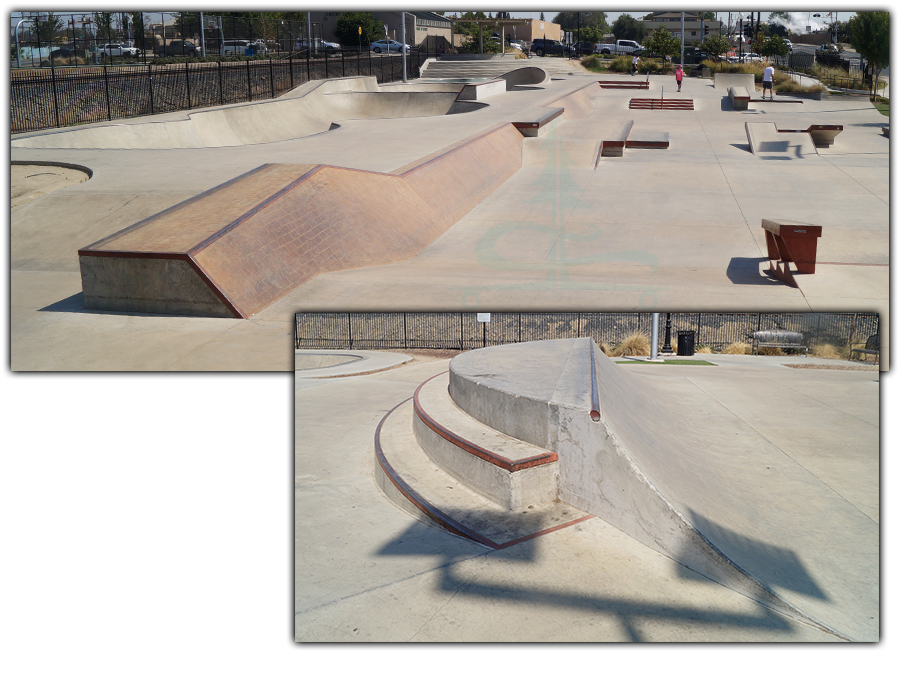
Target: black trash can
[685,343]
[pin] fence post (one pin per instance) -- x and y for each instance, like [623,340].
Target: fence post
[405,341]
[308,51]
[150,82]
[55,97]
[271,77]
[349,330]
[221,90]
[249,88]
[326,64]
[106,83]
[187,83]
[291,68]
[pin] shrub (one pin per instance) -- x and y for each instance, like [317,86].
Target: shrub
[830,352]
[605,349]
[704,350]
[592,62]
[737,348]
[634,344]
[770,351]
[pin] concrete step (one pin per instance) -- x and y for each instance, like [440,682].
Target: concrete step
[412,481]
[506,470]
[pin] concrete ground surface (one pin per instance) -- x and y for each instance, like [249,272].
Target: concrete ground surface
[367,571]
[675,229]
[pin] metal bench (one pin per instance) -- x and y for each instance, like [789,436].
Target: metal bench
[873,347]
[778,339]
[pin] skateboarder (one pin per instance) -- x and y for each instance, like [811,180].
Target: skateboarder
[768,76]
[679,76]
[634,68]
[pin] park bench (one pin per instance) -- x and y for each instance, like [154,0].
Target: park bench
[872,347]
[791,242]
[778,339]
[740,98]
[536,121]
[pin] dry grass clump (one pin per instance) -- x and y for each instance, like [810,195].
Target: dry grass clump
[770,351]
[592,62]
[703,350]
[635,344]
[738,348]
[605,348]
[830,352]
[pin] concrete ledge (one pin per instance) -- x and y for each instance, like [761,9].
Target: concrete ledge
[537,121]
[613,145]
[724,80]
[740,98]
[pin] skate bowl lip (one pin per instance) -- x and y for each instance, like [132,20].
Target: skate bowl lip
[196,123]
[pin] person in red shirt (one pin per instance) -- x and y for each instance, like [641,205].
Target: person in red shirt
[679,75]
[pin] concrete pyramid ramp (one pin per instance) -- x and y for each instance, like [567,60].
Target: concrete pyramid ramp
[680,472]
[236,248]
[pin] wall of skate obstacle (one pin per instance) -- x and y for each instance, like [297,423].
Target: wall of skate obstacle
[646,467]
[235,249]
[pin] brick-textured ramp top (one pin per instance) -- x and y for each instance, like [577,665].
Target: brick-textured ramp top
[235,249]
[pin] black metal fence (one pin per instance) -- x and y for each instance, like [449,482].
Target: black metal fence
[57,97]
[464,331]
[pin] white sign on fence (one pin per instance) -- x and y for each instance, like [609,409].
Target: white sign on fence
[483,318]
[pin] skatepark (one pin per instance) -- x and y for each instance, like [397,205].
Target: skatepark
[198,235]
[546,492]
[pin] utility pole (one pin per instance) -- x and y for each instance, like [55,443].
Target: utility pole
[682,63]
[403,42]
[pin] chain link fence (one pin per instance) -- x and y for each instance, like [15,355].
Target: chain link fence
[464,331]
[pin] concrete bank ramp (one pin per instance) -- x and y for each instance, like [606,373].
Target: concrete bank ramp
[233,250]
[724,80]
[678,471]
[768,142]
[309,111]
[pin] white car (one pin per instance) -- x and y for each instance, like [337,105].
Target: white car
[117,50]
[382,46]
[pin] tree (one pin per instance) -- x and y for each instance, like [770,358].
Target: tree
[627,27]
[663,43]
[46,28]
[103,22]
[870,36]
[774,46]
[347,26]
[469,29]
[708,15]
[715,45]
[570,21]
[757,42]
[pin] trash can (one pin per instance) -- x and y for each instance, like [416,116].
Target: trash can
[685,343]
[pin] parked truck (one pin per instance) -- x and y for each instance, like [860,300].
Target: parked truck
[620,47]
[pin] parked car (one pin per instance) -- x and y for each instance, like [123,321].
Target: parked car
[517,46]
[828,48]
[235,47]
[789,44]
[117,50]
[583,47]
[620,47]
[179,47]
[541,47]
[382,46]
[61,53]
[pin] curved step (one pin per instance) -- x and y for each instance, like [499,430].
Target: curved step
[508,471]
[414,483]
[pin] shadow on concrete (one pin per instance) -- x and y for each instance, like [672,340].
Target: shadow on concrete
[745,148]
[771,565]
[745,271]
[68,305]
[631,614]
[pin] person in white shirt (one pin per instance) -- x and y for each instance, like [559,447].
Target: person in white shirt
[768,76]
[634,67]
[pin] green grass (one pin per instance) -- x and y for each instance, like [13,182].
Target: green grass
[883,105]
[700,362]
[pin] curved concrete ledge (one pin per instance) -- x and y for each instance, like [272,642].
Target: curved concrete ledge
[326,364]
[307,112]
[684,475]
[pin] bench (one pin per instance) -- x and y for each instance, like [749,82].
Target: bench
[778,339]
[740,98]
[534,122]
[791,242]
[872,347]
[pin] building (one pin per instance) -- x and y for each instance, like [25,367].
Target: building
[421,27]
[695,29]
